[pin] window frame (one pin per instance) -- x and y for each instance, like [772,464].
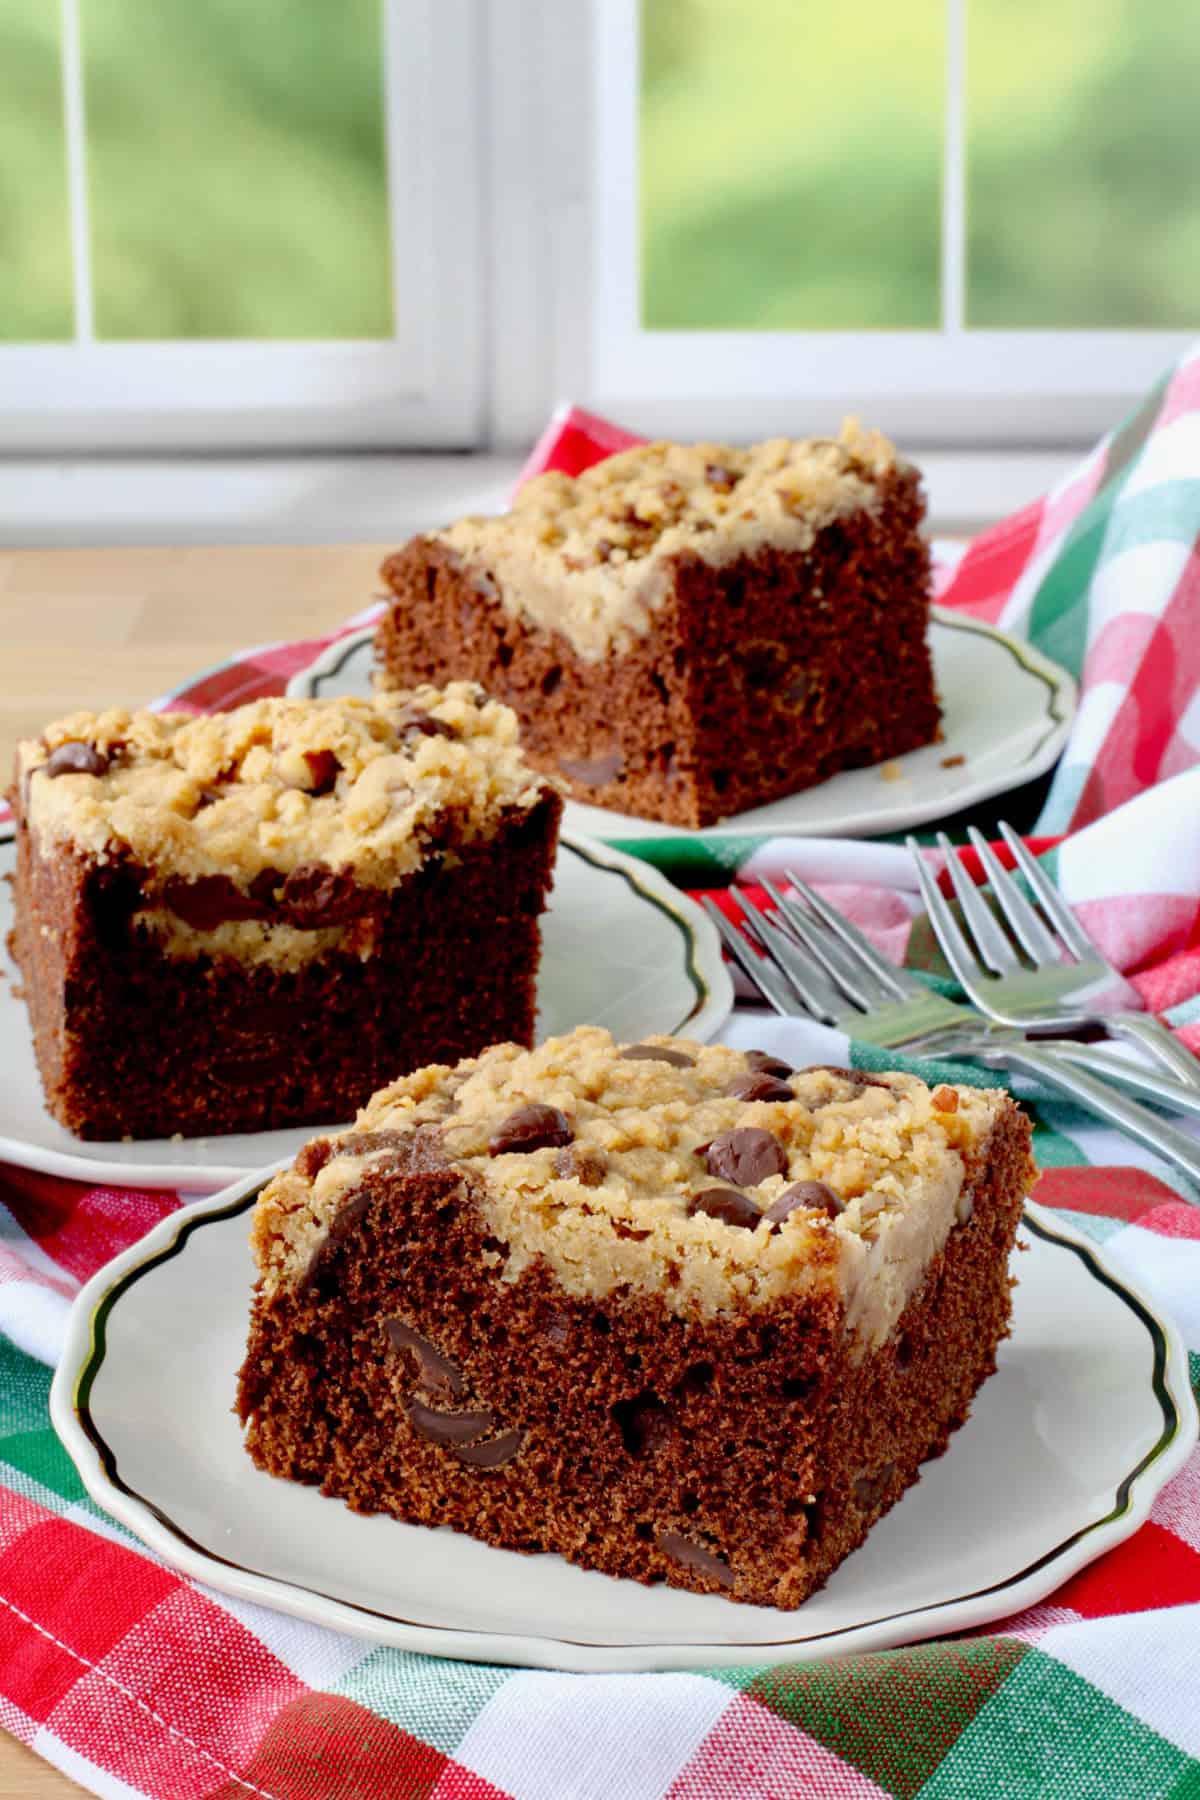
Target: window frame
[420,387]
[516,129]
[950,386]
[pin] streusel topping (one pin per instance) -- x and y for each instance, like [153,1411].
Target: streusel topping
[586,556]
[277,786]
[714,1177]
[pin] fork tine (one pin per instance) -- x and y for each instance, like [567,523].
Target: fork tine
[995,951]
[1022,919]
[1051,901]
[946,927]
[855,941]
[805,975]
[762,973]
[856,979]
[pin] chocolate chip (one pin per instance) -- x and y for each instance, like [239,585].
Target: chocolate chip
[813,1196]
[532,1127]
[314,896]
[858,1078]
[312,1158]
[75,758]
[679,1059]
[323,771]
[576,1163]
[695,1556]
[437,1375]
[746,1156]
[209,901]
[347,1216]
[417,1151]
[493,1454]
[769,1065]
[266,885]
[725,1204]
[644,1424]
[415,722]
[448,1428]
[758,1085]
[593,771]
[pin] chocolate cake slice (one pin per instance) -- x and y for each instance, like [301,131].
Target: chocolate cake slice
[254,918]
[688,630]
[677,1313]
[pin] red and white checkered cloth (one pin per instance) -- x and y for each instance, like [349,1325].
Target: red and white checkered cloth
[138,1682]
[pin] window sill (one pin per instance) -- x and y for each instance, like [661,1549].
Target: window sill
[56,502]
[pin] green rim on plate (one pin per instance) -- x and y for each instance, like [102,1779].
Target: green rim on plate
[86,1378]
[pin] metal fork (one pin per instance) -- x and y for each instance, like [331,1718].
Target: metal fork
[823,968]
[848,954]
[1070,983]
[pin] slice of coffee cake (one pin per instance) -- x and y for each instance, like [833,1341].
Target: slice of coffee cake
[688,630]
[254,918]
[675,1312]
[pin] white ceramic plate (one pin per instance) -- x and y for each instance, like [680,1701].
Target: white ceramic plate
[1007,710]
[621,947]
[1089,1413]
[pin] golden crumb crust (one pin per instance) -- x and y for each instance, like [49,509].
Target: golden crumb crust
[372,786]
[585,555]
[712,1176]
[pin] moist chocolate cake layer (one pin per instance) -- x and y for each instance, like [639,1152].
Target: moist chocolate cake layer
[757,676]
[133,1042]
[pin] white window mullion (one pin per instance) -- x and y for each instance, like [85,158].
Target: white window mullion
[942,386]
[419,385]
[954,172]
[75,130]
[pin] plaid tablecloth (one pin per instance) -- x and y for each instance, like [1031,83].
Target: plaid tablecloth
[138,1682]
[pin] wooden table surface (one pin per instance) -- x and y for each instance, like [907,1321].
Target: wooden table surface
[86,628]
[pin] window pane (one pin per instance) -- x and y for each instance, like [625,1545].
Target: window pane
[35,238]
[1083,208]
[236,169]
[791,164]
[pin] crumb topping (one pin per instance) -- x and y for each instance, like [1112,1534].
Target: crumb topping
[277,793]
[658,1167]
[585,556]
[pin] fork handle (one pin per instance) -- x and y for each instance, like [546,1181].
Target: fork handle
[1147,1083]
[1135,1121]
[1152,1035]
